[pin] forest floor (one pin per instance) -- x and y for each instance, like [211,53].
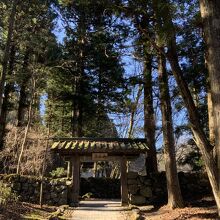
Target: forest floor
[24,210]
[202,209]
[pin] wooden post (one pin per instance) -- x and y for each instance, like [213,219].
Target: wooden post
[95,169]
[69,168]
[76,181]
[124,182]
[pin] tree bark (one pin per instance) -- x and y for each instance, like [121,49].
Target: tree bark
[78,92]
[199,135]
[133,112]
[8,89]
[210,12]
[7,51]
[22,105]
[44,162]
[211,118]
[187,97]
[200,138]
[149,117]
[173,188]
[26,129]
[77,110]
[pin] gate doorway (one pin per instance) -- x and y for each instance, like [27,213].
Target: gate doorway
[100,180]
[78,150]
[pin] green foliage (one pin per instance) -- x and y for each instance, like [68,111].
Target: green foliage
[58,172]
[89,78]
[85,73]
[6,194]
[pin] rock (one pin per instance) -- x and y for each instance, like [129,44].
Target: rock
[64,193]
[158,190]
[25,186]
[141,178]
[57,189]
[46,196]
[132,175]
[62,187]
[32,199]
[36,191]
[31,189]
[62,201]
[133,189]
[30,180]
[139,182]
[50,202]
[146,192]
[17,186]
[146,208]
[22,179]
[135,214]
[62,208]
[55,199]
[53,195]
[147,182]
[132,182]
[137,200]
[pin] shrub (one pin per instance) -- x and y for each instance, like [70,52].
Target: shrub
[59,172]
[6,194]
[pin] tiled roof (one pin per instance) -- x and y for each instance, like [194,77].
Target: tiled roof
[109,145]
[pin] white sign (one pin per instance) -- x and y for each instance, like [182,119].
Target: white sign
[99,156]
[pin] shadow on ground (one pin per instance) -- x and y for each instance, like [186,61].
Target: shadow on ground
[196,209]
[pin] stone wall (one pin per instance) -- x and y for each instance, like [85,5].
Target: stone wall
[152,190]
[28,189]
[139,189]
[55,191]
[193,186]
[142,189]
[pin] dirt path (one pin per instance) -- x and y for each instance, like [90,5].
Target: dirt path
[100,210]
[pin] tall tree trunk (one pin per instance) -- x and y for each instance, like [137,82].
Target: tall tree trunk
[211,119]
[199,135]
[77,110]
[133,111]
[149,117]
[8,89]
[44,161]
[173,188]
[22,105]
[81,88]
[78,91]
[210,12]
[36,108]
[62,118]
[100,106]
[200,138]
[27,128]
[11,21]
[196,127]
[7,51]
